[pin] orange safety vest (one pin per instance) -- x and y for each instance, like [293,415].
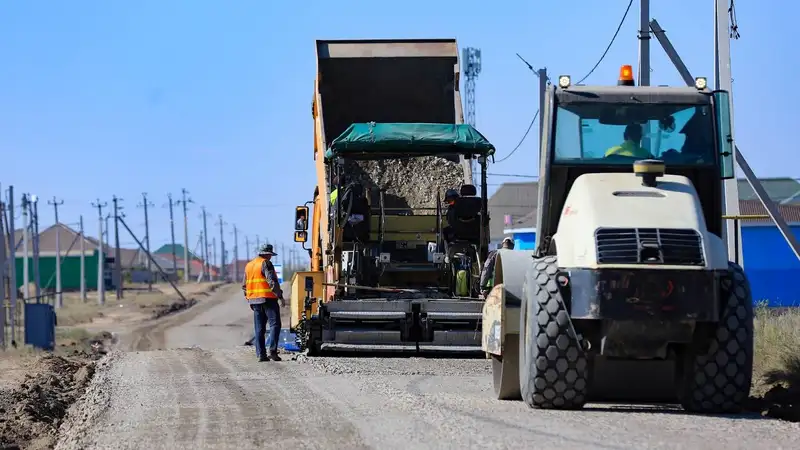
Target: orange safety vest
[256,285]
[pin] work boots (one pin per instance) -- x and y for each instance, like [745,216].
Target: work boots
[274,356]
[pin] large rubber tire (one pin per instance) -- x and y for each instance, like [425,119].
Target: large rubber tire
[719,380]
[554,370]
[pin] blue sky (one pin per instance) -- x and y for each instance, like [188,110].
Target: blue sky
[100,98]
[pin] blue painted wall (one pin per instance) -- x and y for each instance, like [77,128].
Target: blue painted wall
[524,241]
[771,266]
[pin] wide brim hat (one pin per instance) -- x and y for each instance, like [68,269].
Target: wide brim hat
[267,250]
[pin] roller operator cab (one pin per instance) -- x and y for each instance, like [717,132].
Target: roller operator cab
[629,294]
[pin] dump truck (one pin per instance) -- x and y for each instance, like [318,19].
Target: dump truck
[629,294]
[393,268]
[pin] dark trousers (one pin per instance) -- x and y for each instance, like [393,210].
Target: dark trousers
[266,315]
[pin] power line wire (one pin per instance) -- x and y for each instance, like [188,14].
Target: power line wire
[619,27]
[521,140]
[516,175]
[614,38]
[734,25]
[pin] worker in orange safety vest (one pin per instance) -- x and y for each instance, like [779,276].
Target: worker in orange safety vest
[263,292]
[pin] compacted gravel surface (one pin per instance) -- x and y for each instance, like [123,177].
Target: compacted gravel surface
[216,395]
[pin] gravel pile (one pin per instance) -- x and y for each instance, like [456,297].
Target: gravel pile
[90,408]
[409,183]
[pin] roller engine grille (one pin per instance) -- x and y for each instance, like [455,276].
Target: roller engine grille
[649,246]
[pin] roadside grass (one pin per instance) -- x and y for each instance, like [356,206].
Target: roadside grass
[77,312]
[137,302]
[68,341]
[777,349]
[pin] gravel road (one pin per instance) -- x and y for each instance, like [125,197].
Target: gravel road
[219,396]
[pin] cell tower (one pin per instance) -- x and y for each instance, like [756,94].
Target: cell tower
[472,68]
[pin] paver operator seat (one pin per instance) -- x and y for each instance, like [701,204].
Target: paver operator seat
[355,213]
[464,216]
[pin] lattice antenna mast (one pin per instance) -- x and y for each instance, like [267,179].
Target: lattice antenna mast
[472,68]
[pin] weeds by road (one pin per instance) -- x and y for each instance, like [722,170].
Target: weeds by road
[162,298]
[776,375]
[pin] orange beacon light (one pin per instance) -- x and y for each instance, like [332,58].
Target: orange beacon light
[625,76]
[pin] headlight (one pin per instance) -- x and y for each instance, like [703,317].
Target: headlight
[700,83]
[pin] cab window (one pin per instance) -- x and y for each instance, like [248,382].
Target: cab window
[597,133]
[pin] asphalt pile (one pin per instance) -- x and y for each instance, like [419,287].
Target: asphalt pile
[413,183]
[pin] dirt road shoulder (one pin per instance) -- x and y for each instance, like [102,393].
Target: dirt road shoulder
[149,335]
[37,388]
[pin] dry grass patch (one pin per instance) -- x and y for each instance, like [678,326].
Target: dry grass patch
[162,297]
[776,365]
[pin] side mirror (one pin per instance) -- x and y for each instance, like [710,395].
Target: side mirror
[300,236]
[301,219]
[722,109]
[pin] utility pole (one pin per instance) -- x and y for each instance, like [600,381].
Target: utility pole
[3,260]
[59,297]
[247,247]
[101,286]
[172,234]
[206,269]
[37,277]
[185,202]
[235,254]
[723,80]
[542,75]
[26,276]
[83,260]
[202,252]
[258,244]
[12,270]
[145,203]
[644,61]
[117,255]
[644,43]
[107,233]
[214,252]
[222,247]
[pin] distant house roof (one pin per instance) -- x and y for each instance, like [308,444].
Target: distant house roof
[790,212]
[129,257]
[69,241]
[782,189]
[509,203]
[167,250]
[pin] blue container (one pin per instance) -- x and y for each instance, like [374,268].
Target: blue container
[40,326]
[286,341]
